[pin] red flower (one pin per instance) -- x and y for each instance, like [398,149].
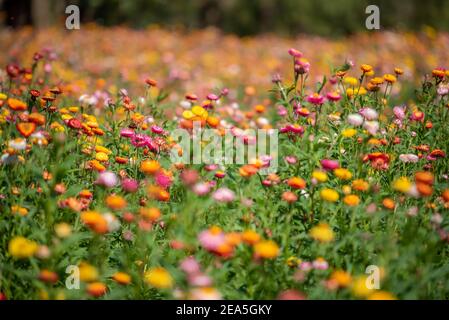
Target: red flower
[74,123]
[12,70]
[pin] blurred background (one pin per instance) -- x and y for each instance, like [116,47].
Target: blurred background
[249,17]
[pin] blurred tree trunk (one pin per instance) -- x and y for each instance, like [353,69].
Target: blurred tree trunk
[41,11]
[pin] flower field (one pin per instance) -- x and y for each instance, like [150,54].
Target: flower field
[92,205]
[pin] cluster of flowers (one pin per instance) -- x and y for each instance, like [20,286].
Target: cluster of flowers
[90,182]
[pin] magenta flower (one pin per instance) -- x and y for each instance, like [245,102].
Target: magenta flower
[130,185]
[157,129]
[316,99]
[296,129]
[282,111]
[212,97]
[302,66]
[329,164]
[293,128]
[127,133]
[140,140]
[295,53]
[285,129]
[152,145]
[333,96]
[163,180]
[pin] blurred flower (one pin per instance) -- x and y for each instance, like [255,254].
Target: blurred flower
[328,164]
[159,278]
[122,278]
[130,185]
[21,248]
[63,230]
[296,183]
[207,293]
[266,249]
[351,200]
[291,294]
[409,158]
[190,265]
[355,119]
[329,195]
[342,278]
[369,113]
[223,195]
[201,188]
[381,295]
[87,272]
[322,233]
[107,179]
[315,99]
[96,289]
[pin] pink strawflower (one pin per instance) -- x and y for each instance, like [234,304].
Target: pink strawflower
[130,185]
[140,140]
[201,188]
[223,195]
[295,53]
[156,129]
[399,112]
[329,164]
[212,97]
[371,126]
[163,180]
[282,111]
[305,266]
[302,66]
[190,265]
[107,179]
[333,96]
[443,90]
[211,167]
[189,176]
[199,280]
[409,158]
[127,133]
[315,98]
[291,159]
[355,119]
[320,264]
[369,113]
[211,240]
